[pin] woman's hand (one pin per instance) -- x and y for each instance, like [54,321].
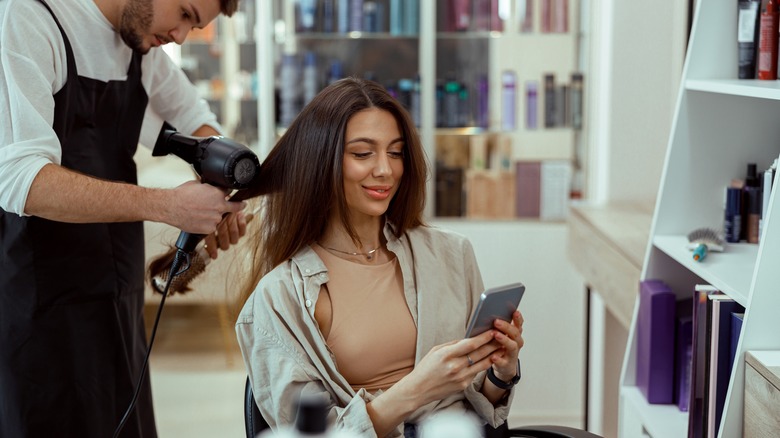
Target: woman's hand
[446,370]
[510,337]
[229,231]
[449,368]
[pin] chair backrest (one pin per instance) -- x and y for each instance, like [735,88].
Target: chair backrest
[254,423]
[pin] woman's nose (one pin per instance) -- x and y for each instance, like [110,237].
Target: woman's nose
[382,166]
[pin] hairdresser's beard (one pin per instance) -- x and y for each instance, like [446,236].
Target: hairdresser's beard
[135,22]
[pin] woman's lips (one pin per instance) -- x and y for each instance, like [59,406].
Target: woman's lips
[378,193]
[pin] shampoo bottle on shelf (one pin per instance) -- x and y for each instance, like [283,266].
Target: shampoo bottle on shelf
[396,17]
[531,105]
[576,100]
[405,87]
[311,84]
[307,10]
[415,104]
[329,18]
[482,112]
[464,106]
[355,15]
[732,218]
[508,101]
[335,72]
[749,231]
[451,102]
[288,89]
[342,11]
[747,37]
[460,15]
[767,41]
[411,11]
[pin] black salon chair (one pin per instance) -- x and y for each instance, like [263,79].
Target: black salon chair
[254,424]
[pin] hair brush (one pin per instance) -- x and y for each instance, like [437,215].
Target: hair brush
[159,269]
[703,240]
[199,259]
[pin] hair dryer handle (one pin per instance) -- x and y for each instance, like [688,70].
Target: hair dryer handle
[188,241]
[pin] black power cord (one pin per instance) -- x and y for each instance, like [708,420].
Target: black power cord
[181,256]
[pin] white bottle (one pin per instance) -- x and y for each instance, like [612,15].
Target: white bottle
[451,425]
[508,101]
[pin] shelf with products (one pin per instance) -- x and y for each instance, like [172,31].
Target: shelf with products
[709,150]
[448,76]
[530,130]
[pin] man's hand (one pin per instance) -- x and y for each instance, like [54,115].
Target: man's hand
[200,208]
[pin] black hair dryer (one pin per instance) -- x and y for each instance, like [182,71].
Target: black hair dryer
[219,161]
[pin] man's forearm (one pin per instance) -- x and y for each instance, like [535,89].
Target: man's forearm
[63,195]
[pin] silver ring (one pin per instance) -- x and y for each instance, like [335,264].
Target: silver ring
[471,362]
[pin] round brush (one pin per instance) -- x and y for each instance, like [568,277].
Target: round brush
[703,240]
[198,260]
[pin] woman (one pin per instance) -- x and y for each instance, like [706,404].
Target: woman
[352,295]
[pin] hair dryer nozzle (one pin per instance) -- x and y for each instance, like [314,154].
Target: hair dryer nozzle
[218,160]
[225,163]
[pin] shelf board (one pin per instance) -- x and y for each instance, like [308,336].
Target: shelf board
[354,35]
[731,271]
[737,87]
[471,35]
[465,130]
[659,420]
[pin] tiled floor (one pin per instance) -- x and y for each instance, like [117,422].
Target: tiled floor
[197,374]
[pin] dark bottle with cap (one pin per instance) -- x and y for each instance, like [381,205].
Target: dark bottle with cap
[312,417]
[751,185]
[311,421]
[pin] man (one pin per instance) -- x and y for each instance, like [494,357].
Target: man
[76,80]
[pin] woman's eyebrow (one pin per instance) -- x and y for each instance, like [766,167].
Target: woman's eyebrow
[372,141]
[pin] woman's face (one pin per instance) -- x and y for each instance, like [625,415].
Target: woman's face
[373,162]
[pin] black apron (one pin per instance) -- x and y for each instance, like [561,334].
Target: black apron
[72,335]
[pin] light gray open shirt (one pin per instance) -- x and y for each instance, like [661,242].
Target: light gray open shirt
[286,354]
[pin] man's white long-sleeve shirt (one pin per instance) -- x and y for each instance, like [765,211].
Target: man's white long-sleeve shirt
[33,68]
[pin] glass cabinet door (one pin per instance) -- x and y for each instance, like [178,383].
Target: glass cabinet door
[318,42]
[491,84]
[221,61]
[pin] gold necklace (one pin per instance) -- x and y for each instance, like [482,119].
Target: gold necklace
[368,255]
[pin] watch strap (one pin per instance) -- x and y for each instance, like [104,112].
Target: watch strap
[491,375]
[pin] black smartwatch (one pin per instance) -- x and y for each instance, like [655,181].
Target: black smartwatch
[500,383]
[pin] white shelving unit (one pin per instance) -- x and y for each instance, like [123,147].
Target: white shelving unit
[721,124]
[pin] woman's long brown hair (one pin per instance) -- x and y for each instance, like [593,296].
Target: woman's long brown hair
[301,180]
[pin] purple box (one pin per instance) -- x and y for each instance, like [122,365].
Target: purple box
[655,342]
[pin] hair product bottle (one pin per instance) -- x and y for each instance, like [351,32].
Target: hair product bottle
[531,105]
[767,41]
[508,101]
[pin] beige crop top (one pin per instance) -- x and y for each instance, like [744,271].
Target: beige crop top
[372,333]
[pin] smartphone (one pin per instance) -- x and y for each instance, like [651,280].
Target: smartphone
[495,303]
